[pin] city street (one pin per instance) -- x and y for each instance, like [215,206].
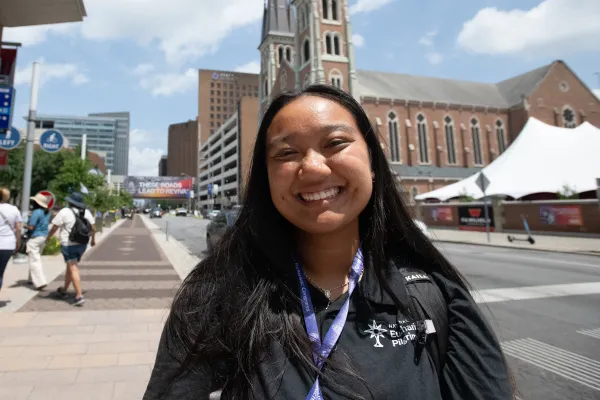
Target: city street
[543,305]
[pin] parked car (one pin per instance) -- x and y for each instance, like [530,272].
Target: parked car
[212,214]
[181,211]
[423,227]
[219,225]
[156,213]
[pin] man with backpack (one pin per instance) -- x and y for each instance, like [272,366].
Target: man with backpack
[76,225]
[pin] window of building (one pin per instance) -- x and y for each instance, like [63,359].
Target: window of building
[212,84]
[500,136]
[218,92]
[393,134]
[266,87]
[306,51]
[331,10]
[218,100]
[212,108]
[422,133]
[476,137]
[336,45]
[328,47]
[569,117]
[218,108]
[288,54]
[212,92]
[279,55]
[212,116]
[332,44]
[335,78]
[325,7]
[450,143]
[212,100]
[218,116]
[212,123]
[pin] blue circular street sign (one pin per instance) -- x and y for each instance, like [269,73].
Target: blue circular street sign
[52,141]
[10,139]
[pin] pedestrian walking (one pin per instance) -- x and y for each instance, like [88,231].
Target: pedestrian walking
[324,287]
[76,224]
[38,232]
[10,230]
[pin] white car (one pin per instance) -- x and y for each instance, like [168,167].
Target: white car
[423,228]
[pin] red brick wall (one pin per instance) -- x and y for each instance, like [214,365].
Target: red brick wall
[549,96]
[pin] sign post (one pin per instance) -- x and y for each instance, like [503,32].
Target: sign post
[483,182]
[7,98]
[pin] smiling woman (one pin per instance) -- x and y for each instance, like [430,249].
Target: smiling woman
[308,296]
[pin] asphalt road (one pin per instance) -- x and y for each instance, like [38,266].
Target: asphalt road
[545,308]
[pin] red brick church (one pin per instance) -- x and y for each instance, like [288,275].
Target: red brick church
[435,131]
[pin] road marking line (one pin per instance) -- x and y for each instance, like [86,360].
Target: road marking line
[595,333]
[569,365]
[508,254]
[535,292]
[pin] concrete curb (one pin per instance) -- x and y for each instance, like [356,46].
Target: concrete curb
[180,257]
[582,253]
[53,267]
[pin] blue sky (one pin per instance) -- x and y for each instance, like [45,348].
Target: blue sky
[138,56]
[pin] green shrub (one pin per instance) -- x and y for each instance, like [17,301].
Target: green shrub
[52,248]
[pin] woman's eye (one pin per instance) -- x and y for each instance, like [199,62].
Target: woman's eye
[336,142]
[284,153]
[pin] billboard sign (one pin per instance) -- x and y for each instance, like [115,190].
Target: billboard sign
[561,215]
[472,218]
[159,187]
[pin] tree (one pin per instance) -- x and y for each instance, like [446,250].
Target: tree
[72,174]
[45,167]
[567,193]
[465,197]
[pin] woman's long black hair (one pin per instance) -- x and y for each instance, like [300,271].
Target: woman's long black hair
[243,296]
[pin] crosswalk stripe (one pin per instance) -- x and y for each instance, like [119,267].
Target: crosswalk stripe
[535,292]
[595,333]
[569,365]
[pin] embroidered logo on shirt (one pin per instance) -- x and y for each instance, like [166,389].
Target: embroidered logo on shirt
[376,331]
[417,277]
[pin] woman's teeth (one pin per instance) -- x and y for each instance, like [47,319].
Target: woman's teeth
[322,195]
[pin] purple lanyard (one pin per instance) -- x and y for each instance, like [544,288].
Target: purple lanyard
[334,332]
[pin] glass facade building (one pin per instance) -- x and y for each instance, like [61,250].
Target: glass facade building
[107,135]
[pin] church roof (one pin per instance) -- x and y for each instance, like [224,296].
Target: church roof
[278,18]
[430,89]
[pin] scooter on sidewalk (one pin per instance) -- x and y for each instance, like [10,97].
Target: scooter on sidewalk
[529,238]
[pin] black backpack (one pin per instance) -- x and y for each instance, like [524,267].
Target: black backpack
[427,305]
[82,229]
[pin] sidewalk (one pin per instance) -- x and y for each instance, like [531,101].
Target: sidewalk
[562,244]
[104,350]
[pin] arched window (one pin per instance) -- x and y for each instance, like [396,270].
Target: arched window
[336,45]
[334,10]
[500,136]
[279,55]
[476,137]
[335,77]
[306,51]
[393,134]
[288,54]
[569,117]
[266,87]
[325,5]
[328,48]
[450,143]
[422,133]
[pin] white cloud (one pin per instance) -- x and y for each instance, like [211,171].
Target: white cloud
[366,6]
[143,161]
[168,84]
[434,58]
[427,39]
[32,35]
[596,92]
[253,67]
[143,69]
[554,27]
[184,30]
[358,40]
[52,71]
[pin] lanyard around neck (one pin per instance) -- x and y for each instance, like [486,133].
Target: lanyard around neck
[321,350]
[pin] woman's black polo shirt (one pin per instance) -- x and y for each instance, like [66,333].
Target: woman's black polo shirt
[377,342]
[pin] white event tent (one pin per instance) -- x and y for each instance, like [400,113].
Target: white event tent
[542,159]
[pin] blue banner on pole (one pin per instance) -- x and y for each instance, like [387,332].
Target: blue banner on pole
[7,97]
[52,141]
[10,139]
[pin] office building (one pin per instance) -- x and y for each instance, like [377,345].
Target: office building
[183,144]
[107,136]
[162,166]
[435,131]
[121,152]
[218,96]
[225,157]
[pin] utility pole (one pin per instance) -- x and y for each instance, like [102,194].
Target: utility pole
[26,192]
